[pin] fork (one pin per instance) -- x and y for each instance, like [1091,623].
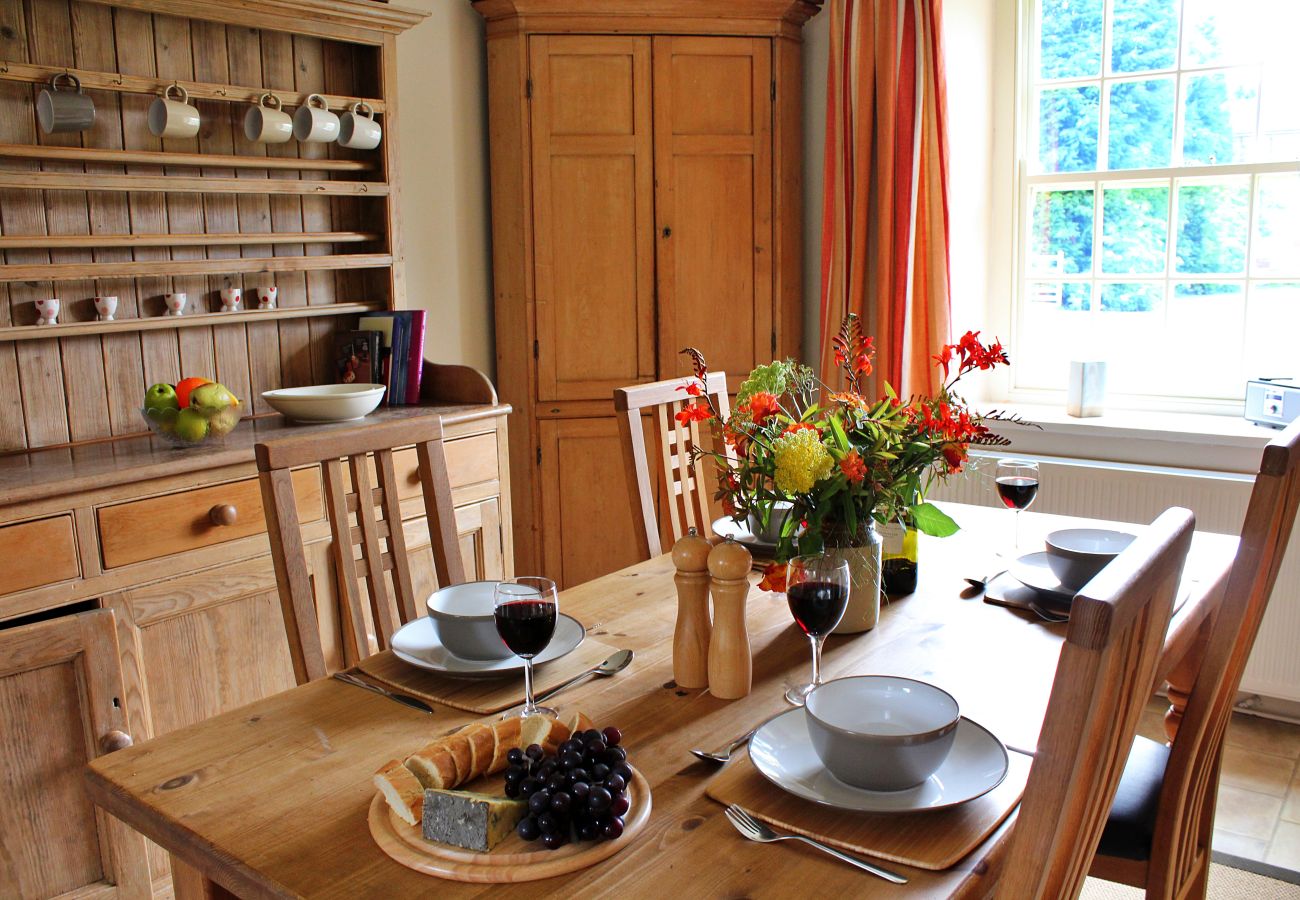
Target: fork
[755,830]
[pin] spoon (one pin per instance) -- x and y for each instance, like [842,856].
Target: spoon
[981,583]
[616,663]
[722,754]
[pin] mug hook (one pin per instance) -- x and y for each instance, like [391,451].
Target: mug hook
[176,86]
[269,99]
[362,108]
[312,98]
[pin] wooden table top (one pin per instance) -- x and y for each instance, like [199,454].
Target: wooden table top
[271,799]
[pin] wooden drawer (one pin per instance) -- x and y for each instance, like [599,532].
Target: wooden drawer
[40,552]
[470,460]
[173,523]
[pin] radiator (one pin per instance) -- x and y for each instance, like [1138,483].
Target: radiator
[1135,493]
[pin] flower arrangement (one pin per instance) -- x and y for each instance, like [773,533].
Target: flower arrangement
[840,460]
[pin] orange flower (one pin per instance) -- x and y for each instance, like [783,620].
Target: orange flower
[853,467]
[851,399]
[773,578]
[697,412]
[800,426]
[692,389]
[763,406]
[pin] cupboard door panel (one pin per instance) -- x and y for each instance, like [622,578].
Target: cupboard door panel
[589,525]
[713,201]
[593,211]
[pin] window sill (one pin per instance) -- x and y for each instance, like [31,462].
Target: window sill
[1178,440]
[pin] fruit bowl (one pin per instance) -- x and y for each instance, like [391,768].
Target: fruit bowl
[192,426]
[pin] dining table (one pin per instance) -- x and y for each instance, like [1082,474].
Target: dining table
[271,800]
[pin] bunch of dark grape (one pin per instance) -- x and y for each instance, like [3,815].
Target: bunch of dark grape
[578,793]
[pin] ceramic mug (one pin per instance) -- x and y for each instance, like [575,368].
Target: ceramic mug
[314,123]
[358,129]
[171,116]
[266,297]
[61,111]
[175,304]
[49,310]
[230,299]
[106,307]
[266,123]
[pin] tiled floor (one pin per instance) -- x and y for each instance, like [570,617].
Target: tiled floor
[1259,788]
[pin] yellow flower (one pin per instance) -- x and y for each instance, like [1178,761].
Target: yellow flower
[801,461]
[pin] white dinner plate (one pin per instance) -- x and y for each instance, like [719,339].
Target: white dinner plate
[728,527]
[1032,569]
[416,643]
[782,751]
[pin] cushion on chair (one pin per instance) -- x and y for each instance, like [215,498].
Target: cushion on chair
[1132,822]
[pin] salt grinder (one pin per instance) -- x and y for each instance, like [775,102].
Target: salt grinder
[691,636]
[731,667]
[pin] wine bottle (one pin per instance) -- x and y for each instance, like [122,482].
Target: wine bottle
[900,561]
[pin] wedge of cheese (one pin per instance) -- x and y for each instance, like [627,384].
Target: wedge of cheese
[469,820]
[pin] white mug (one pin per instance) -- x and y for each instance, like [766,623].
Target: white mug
[230,299]
[266,297]
[358,129]
[314,123]
[106,307]
[59,111]
[49,310]
[173,118]
[175,304]
[266,123]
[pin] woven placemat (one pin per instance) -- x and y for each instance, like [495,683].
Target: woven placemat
[486,695]
[927,840]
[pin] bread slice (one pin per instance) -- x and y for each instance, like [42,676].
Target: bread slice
[546,731]
[506,737]
[482,745]
[578,721]
[402,790]
[457,744]
[434,766]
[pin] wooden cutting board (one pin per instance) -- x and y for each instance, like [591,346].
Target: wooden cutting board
[927,840]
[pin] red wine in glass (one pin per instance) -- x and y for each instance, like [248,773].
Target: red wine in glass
[526,626]
[1017,491]
[817,606]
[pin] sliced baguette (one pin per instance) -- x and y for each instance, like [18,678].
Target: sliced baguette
[457,744]
[482,745]
[434,766]
[545,731]
[505,738]
[402,790]
[578,721]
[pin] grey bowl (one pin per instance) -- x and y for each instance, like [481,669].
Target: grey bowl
[462,618]
[881,732]
[1075,555]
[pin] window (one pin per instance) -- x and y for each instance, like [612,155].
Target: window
[1159,196]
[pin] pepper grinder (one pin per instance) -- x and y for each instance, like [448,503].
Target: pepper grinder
[731,666]
[691,636]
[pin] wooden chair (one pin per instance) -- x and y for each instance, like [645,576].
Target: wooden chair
[687,487]
[377,515]
[1158,836]
[1103,679]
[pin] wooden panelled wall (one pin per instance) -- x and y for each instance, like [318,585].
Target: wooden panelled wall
[87,387]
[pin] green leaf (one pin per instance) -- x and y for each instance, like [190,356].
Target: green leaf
[933,521]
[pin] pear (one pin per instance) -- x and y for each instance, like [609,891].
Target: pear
[191,426]
[211,398]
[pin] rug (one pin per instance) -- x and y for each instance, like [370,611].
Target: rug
[1226,883]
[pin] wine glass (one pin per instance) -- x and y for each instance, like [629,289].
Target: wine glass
[525,610]
[1017,481]
[817,589]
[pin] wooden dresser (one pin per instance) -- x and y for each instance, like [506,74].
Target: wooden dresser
[646,196]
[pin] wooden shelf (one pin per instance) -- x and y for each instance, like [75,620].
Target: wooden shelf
[158,323]
[209,160]
[60,181]
[166,267]
[252,238]
[198,90]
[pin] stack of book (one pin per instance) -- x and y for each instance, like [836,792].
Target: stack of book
[386,348]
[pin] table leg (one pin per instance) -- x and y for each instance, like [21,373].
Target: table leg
[188,883]
[1182,678]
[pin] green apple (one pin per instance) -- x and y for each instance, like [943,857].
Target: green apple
[191,426]
[161,396]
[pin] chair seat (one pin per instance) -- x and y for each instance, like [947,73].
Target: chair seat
[1132,823]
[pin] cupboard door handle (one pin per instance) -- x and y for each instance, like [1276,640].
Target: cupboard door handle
[668,232]
[115,740]
[223,514]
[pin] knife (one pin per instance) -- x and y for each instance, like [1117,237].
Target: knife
[404,699]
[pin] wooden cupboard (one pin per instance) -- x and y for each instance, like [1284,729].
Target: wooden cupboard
[645,159]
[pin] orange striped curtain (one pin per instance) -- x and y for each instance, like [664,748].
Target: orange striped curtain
[885,220]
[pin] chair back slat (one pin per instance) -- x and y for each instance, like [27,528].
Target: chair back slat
[1104,677]
[368,541]
[686,489]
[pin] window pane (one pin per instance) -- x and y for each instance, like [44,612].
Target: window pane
[1071,296]
[1219,110]
[1134,230]
[1218,33]
[1067,129]
[1070,46]
[1142,297]
[1141,124]
[1143,35]
[1279,114]
[1213,220]
[1061,242]
[1272,322]
[1276,244]
[1194,309]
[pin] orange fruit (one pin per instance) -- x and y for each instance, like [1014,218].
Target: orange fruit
[185,385]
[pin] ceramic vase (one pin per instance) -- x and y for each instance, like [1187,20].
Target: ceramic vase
[861,548]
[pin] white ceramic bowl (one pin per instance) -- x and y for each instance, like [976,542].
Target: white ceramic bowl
[1075,555]
[776,521]
[326,402]
[462,618]
[881,732]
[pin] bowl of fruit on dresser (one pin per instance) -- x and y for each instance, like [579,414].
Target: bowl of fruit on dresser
[191,412]
[511,800]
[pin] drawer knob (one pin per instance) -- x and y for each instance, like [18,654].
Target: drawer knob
[115,740]
[223,514]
